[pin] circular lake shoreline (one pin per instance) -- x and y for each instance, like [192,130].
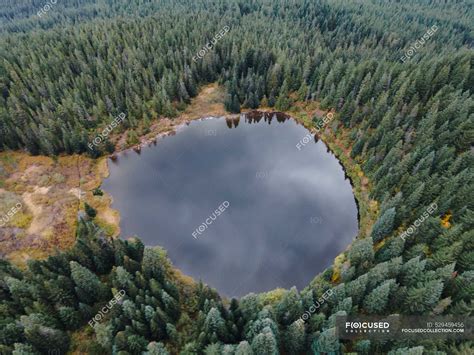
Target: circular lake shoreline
[290,210]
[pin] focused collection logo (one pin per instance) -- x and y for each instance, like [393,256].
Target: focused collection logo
[397,326]
[367,327]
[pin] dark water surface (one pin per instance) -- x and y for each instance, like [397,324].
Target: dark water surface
[291,211]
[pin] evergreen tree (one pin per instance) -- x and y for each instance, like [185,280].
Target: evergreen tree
[265,343]
[422,299]
[91,212]
[283,102]
[361,252]
[154,348]
[294,338]
[326,342]
[88,286]
[215,326]
[244,348]
[376,302]
[384,225]
[290,308]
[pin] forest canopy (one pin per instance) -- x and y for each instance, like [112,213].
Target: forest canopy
[66,74]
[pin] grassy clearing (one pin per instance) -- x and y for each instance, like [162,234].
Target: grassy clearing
[52,191]
[49,191]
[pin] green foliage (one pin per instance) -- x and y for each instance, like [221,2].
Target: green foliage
[24,349]
[424,297]
[214,326]
[91,212]
[42,336]
[154,348]
[153,264]
[384,225]
[244,348]
[408,124]
[412,271]
[361,252]
[294,338]
[326,342]
[265,343]
[376,301]
[88,285]
[97,192]
[418,350]
[363,347]
[290,308]
[391,249]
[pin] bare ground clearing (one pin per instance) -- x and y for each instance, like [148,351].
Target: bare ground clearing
[53,191]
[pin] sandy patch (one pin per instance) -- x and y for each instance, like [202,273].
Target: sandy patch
[51,192]
[38,224]
[78,193]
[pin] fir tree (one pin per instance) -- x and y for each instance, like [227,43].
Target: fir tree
[384,225]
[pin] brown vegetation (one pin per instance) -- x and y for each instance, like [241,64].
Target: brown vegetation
[53,191]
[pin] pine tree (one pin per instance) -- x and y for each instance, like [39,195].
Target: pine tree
[363,347]
[152,264]
[412,271]
[361,251]
[265,343]
[171,306]
[326,342]
[43,337]
[24,349]
[244,348]
[88,286]
[283,102]
[104,335]
[384,225]
[377,300]
[214,326]
[290,307]
[423,298]
[294,338]
[154,348]
[391,249]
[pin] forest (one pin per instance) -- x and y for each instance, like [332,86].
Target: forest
[66,74]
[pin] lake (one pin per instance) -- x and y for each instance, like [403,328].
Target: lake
[245,205]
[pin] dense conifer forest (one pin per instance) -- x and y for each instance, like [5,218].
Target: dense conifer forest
[66,74]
